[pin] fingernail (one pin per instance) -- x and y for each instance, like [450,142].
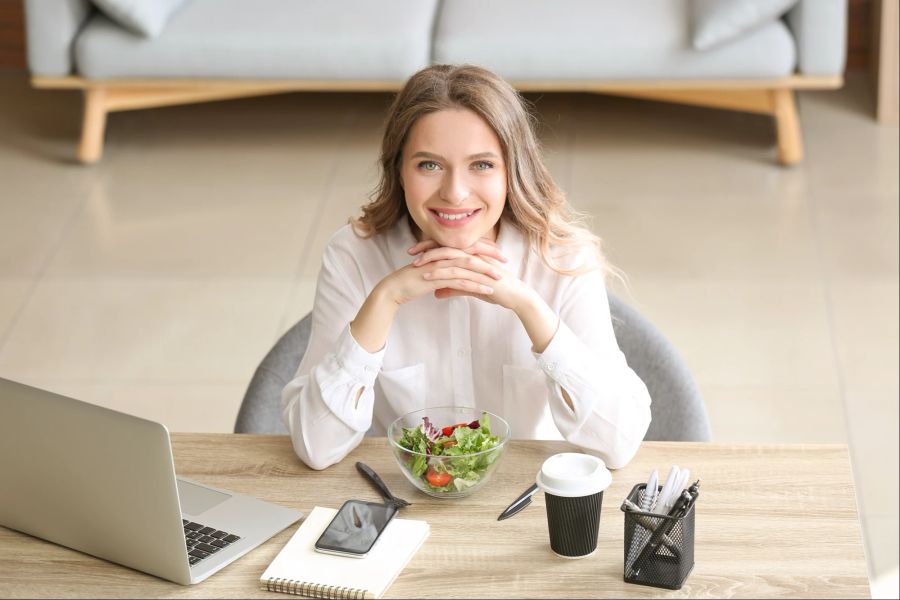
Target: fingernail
[487,290]
[427,275]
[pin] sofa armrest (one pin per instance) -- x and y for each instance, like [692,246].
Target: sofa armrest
[52,26]
[820,31]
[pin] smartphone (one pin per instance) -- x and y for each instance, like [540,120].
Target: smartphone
[355,528]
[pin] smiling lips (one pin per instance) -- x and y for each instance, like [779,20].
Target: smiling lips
[454,217]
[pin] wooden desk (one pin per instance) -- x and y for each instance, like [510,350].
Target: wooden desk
[771,521]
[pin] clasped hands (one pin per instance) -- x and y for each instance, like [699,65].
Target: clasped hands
[474,271]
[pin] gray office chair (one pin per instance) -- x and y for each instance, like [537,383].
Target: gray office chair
[677,408]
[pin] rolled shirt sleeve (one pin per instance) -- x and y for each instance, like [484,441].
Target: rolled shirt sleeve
[338,391]
[323,408]
[610,411]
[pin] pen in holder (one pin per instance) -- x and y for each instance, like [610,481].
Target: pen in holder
[659,550]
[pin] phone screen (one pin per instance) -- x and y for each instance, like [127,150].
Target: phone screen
[355,528]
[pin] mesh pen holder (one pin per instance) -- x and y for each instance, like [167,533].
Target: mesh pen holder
[656,558]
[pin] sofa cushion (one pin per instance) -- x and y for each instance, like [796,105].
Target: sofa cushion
[267,39]
[145,18]
[51,27]
[528,40]
[820,30]
[715,22]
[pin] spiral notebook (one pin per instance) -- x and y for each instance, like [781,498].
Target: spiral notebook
[299,569]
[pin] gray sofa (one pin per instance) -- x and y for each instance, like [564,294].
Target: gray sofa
[216,49]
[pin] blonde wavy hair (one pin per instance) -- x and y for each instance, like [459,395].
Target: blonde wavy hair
[534,203]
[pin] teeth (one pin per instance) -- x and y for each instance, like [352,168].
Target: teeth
[454,217]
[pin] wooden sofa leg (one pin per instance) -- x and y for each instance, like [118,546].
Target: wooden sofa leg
[93,125]
[787,124]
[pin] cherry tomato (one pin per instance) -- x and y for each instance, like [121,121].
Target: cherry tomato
[437,478]
[448,430]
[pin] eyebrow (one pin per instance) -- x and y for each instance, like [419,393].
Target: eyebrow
[424,154]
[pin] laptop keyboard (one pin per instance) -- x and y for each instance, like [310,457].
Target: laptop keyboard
[203,541]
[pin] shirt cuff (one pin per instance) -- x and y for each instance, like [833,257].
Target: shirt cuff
[556,358]
[361,364]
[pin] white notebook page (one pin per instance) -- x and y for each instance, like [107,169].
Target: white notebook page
[299,561]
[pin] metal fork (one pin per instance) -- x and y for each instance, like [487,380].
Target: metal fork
[372,476]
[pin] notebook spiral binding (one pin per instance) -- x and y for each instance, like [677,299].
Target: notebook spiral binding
[315,590]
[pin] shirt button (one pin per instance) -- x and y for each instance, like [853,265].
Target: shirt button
[551,366]
[461,352]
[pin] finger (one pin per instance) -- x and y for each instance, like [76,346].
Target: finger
[423,246]
[460,267]
[479,264]
[483,249]
[463,285]
[448,293]
[440,253]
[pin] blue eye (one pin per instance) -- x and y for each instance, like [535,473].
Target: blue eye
[483,165]
[428,165]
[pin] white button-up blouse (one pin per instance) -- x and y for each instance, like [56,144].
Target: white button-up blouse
[461,351]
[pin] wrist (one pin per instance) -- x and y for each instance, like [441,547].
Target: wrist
[384,297]
[530,305]
[373,321]
[539,320]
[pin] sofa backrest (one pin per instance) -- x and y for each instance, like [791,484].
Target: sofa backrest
[51,27]
[820,32]
[818,26]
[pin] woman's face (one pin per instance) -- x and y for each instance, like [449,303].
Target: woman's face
[454,177]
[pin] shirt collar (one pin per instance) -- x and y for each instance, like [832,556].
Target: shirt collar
[514,247]
[400,240]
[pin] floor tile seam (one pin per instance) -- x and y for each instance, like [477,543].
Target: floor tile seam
[161,278]
[841,376]
[719,279]
[870,545]
[762,386]
[92,381]
[798,280]
[68,224]
[877,514]
[348,121]
[787,386]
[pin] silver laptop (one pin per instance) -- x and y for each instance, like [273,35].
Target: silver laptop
[103,482]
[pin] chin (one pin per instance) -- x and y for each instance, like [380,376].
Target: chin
[459,240]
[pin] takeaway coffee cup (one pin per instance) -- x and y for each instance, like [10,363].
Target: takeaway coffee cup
[573,487]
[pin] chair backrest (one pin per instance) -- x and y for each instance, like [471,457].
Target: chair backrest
[261,408]
[677,408]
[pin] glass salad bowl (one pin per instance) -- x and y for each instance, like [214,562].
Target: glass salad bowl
[448,451]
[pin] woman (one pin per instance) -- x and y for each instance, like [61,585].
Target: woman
[465,282]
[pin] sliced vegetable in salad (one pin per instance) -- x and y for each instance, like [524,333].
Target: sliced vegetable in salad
[443,458]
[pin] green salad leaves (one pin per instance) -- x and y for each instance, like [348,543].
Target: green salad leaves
[443,458]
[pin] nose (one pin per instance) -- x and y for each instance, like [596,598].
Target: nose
[454,188]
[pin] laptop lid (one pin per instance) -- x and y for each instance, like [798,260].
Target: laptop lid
[90,478]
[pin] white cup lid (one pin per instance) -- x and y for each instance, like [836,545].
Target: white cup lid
[571,474]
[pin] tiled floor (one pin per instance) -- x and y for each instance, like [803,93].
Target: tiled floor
[156,280]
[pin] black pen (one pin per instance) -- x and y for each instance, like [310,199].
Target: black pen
[650,525]
[519,503]
[677,511]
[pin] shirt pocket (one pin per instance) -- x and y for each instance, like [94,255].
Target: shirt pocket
[525,404]
[403,390]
